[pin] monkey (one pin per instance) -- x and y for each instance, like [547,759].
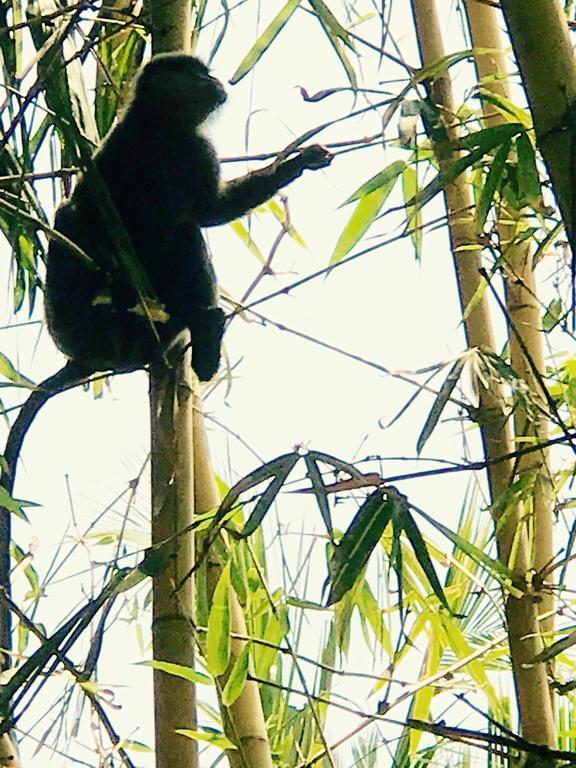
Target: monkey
[162,178]
[136,216]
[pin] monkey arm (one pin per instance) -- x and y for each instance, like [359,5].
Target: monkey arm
[237,197]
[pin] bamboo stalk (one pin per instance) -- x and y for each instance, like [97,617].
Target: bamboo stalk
[543,49]
[526,337]
[172,511]
[171,404]
[523,631]
[244,719]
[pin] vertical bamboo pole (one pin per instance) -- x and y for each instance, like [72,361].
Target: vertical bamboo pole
[526,334]
[171,405]
[244,719]
[531,680]
[172,512]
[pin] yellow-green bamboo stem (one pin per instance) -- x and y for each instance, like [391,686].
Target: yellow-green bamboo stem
[524,311]
[244,719]
[172,510]
[531,682]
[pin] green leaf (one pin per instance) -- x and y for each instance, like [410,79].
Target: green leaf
[498,570]
[330,22]
[213,737]
[218,641]
[440,402]
[264,41]
[492,183]
[179,670]
[488,138]
[357,544]
[385,179]
[242,231]
[421,551]
[277,469]
[482,142]
[413,212]
[319,490]
[9,372]
[507,108]
[553,315]
[237,680]
[529,188]
[14,505]
[364,214]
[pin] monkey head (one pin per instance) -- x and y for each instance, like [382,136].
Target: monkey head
[178,84]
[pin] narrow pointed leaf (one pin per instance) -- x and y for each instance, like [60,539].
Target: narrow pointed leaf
[440,401]
[358,543]
[330,22]
[218,636]
[492,183]
[180,670]
[264,41]
[278,468]
[385,179]
[319,490]
[529,187]
[237,680]
[364,214]
[421,551]
[413,212]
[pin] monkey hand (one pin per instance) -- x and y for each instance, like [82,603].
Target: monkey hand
[315,156]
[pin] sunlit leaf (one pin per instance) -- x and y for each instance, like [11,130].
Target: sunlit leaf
[264,41]
[364,214]
[492,183]
[218,641]
[237,680]
[179,670]
[413,212]
[213,737]
[9,372]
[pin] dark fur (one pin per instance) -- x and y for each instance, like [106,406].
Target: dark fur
[161,184]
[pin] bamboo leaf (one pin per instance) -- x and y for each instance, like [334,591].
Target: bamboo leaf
[9,372]
[278,469]
[241,230]
[210,735]
[529,188]
[551,651]
[364,214]
[492,183]
[442,398]
[421,551]
[179,670]
[237,680]
[330,22]
[264,41]
[413,212]
[357,544]
[319,490]
[498,570]
[383,179]
[14,505]
[218,642]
